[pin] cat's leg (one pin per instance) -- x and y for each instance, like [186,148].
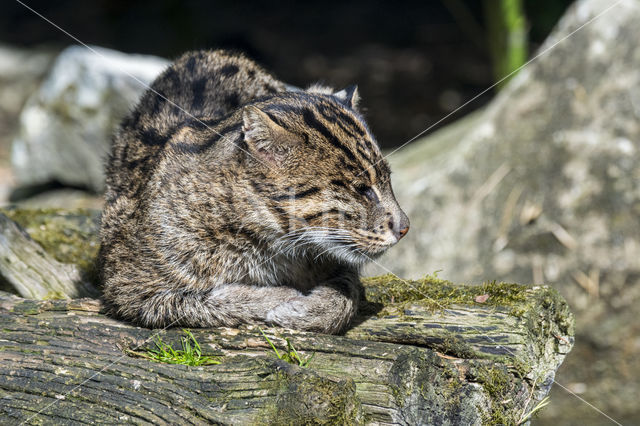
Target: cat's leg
[229,305]
[327,308]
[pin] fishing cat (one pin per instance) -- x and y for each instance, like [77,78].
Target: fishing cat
[233,199]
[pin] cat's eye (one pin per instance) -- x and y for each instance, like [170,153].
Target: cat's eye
[368,192]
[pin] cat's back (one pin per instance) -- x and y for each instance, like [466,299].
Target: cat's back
[205,84]
[201,87]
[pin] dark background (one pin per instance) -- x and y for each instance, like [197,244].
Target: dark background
[414,62]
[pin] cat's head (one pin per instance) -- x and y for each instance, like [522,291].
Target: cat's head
[322,175]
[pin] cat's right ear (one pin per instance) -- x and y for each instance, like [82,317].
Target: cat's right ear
[349,96]
[267,141]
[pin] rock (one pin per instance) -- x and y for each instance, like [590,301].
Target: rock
[65,127]
[59,198]
[21,71]
[544,186]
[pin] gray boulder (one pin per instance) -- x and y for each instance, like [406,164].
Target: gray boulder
[21,70]
[65,127]
[543,186]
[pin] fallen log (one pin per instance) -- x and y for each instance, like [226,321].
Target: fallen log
[421,352]
[48,254]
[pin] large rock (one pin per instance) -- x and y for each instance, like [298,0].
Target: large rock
[49,253]
[65,127]
[21,70]
[544,186]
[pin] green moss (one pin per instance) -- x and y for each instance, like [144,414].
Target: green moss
[27,307]
[518,366]
[438,294]
[499,384]
[70,236]
[451,387]
[311,399]
[554,312]
[541,311]
[54,295]
[494,381]
[457,347]
[402,393]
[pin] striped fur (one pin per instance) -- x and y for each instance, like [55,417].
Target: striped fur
[261,210]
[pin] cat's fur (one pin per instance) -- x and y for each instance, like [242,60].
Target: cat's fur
[231,200]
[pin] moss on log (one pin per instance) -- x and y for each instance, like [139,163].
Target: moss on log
[421,352]
[69,236]
[27,268]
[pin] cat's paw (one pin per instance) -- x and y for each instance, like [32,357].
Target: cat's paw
[290,314]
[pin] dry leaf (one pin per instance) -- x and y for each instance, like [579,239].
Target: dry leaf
[482,298]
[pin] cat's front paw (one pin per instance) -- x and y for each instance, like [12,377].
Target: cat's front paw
[303,314]
[290,315]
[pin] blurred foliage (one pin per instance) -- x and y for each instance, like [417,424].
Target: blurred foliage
[414,62]
[507,37]
[508,28]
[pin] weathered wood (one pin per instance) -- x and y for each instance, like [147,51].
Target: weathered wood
[421,352]
[65,361]
[34,273]
[531,326]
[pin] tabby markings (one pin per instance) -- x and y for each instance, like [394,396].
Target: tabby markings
[353,128]
[151,137]
[232,100]
[229,70]
[302,194]
[190,148]
[311,121]
[198,87]
[338,182]
[311,216]
[191,63]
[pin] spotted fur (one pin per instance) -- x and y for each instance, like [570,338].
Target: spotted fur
[259,205]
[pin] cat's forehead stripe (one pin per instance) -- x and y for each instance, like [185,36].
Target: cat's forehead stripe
[339,126]
[313,122]
[344,119]
[351,124]
[340,123]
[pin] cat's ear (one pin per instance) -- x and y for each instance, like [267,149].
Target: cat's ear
[267,140]
[349,96]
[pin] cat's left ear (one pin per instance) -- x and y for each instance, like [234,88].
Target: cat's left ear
[349,96]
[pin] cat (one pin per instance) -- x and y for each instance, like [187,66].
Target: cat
[234,199]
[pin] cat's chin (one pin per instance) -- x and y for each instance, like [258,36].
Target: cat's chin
[354,257]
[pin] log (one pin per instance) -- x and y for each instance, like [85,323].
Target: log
[421,352]
[32,272]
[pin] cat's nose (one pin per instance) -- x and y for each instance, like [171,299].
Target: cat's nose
[399,225]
